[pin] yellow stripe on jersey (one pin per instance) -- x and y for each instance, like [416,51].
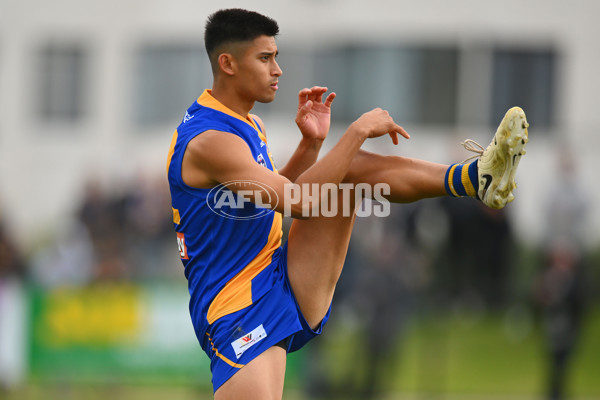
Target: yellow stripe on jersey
[237,293]
[176,216]
[171,150]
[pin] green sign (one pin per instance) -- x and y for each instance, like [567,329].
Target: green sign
[115,332]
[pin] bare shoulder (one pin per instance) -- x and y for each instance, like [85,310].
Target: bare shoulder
[211,144]
[211,154]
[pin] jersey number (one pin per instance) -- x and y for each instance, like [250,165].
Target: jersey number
[181,245]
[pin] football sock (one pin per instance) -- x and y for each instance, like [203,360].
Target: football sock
[461,180]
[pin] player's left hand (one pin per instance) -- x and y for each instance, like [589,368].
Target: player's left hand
[314,115]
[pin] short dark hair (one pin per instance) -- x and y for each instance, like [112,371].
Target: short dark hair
[236,25]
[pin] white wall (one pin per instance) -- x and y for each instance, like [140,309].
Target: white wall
[42,167]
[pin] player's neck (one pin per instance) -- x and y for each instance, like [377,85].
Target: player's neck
[230,99]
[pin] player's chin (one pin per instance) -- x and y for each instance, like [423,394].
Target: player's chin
[266,98]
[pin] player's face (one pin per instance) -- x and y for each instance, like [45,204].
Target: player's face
[258,72]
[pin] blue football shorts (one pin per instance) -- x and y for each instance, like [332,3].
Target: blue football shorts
[236,339]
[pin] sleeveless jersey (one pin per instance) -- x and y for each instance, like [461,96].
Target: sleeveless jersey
[228,246]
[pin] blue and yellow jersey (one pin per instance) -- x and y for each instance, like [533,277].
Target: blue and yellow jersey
[228,247]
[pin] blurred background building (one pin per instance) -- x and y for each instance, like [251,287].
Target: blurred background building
[91,91]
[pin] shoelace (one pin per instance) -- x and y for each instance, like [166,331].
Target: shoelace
[473,146]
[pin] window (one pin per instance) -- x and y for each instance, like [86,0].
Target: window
[168,79]
[417,85]
[524,78]
[62,77]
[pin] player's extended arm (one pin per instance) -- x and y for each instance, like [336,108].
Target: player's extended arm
[217,157]
[334,165]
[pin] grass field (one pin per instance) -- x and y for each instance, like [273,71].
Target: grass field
[175,393]
[471,357]
[454,356]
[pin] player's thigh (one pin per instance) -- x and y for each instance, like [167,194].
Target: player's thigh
[260,379]
[317,249]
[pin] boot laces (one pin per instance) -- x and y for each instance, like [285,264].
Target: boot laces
[473,146]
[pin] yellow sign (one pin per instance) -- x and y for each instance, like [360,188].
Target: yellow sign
[94,315]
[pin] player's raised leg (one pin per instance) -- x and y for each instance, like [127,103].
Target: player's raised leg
[316,252]
[409,179]
[317,246]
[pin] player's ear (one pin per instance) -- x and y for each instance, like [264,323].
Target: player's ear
[226,63]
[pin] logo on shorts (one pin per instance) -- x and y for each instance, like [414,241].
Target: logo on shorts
[247,338]
[245,342]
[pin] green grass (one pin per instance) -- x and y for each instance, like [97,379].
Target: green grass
[456,356]
[472,356]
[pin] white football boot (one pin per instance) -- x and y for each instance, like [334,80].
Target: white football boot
[498,163]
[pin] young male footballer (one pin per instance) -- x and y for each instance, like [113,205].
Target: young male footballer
[252,298]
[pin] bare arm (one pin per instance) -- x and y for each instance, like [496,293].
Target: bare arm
[217,157]
[303,157]
[332,168]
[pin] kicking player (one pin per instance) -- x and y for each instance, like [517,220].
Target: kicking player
[252,299]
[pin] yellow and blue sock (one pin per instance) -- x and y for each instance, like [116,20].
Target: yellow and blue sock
[461,180]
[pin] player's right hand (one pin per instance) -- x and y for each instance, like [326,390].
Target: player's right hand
[314,114]
[376,123]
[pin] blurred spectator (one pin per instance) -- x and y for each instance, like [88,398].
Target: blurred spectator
[464,265]
[150,238]
[12,265]
[561,294]
[383,296]
[474,264]
[560,289]
[12,311]
[67,259]
[103,216]
[114,235]
[374,300]
[567,206]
